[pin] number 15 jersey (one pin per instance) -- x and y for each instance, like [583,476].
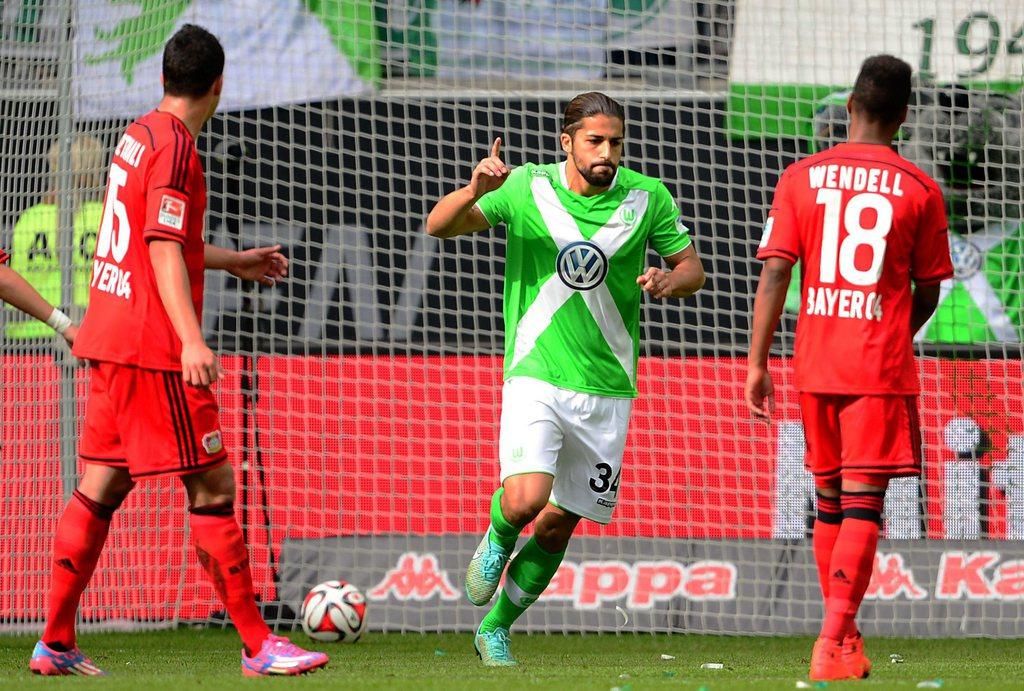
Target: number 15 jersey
[156,191]
[865,223]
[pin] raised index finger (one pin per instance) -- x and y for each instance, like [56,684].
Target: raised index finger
[496,147]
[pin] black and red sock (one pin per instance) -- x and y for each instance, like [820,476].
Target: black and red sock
[826,530]
[853,560]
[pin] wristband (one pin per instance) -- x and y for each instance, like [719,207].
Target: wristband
[58,321]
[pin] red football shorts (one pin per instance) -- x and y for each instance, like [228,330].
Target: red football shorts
[862,438]
[149,422]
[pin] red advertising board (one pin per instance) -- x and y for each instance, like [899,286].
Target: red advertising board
[379,444]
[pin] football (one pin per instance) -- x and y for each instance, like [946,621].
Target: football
[334,611]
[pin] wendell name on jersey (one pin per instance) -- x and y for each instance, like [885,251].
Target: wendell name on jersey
[855,179]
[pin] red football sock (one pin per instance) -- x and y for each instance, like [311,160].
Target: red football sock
[77,544]
[222,552]
[853,559]
[826,530]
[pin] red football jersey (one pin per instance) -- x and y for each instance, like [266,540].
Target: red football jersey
[864,222]
[156,190]
[3,256]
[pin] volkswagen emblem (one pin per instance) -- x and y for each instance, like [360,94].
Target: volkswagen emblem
[967,258]
[581,265]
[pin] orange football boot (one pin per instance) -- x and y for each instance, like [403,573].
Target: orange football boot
[827,662]
[854,658]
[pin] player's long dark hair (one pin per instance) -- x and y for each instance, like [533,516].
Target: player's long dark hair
[589,104]
[882,90]
[193,59]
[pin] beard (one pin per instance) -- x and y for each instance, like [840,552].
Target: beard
[600,175]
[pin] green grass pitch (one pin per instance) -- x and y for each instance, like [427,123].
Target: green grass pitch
[209,659]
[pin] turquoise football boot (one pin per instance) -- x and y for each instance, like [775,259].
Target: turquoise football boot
[484,571]
[493,648]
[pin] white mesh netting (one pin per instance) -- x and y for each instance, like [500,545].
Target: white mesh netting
[362,396]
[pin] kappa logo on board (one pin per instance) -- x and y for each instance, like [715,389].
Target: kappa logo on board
[415,577]
[892,578]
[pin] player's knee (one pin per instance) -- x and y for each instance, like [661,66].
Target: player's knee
[117,492]
[828,486]
[520,510]
[211,487]
[856,482]
[106,486]
[553,536]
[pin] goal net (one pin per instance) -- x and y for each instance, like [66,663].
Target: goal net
[361,397]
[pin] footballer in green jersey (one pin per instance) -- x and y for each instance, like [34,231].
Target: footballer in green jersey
[578,236]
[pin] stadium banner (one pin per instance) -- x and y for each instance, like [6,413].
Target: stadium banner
[320,48]
[333,48]
[694,586]
[547,39]
[637,24]
[785,59]
[408,445]
[449,38]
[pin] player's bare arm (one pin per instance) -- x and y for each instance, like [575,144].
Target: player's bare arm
[198,363]
[925,300]
[264,265]
[19,293]
[759,392]
[456,213]
[684,277]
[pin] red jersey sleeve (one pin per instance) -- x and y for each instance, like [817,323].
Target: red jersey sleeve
[167,191]
[931,262]
[4,256]
[781,237]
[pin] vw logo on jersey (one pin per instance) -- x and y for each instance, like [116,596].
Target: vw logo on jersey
[967,258]
[581,265]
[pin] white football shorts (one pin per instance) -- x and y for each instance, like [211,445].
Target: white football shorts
[578,438]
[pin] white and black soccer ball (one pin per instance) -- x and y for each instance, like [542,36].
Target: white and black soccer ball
[334,611]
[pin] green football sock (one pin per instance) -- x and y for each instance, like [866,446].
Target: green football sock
[503,533]
[528,575]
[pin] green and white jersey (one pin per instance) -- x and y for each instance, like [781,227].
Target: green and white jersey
[572,305]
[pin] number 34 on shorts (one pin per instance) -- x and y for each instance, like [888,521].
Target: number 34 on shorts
[578,438]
